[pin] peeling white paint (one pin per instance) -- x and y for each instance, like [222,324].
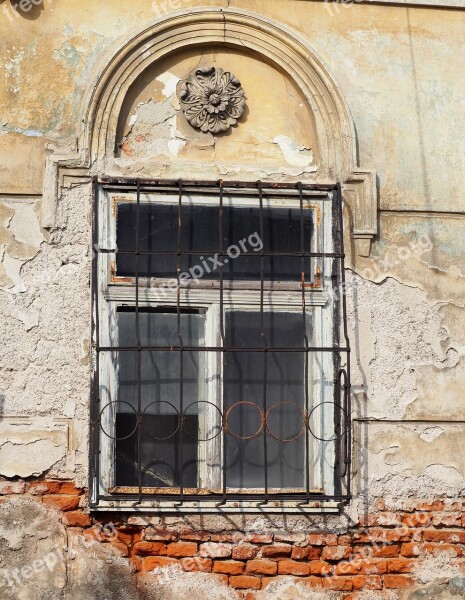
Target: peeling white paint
[24,225]
[431,433]
[170,82]
[12,268]
[297,156]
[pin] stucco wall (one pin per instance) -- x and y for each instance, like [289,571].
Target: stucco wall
[400,70]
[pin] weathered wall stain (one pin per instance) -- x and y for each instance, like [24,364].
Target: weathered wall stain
[401,72]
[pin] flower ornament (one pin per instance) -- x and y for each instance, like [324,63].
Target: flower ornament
[212,99]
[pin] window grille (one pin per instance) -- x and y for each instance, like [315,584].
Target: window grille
[221,358]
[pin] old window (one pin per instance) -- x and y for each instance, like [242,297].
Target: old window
[221,369]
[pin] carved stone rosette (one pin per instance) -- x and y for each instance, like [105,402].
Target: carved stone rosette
[212,99]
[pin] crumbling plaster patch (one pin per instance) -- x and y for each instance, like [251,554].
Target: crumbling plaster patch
[441,589]
[32,447]
[45,368]
[440,566]
[394,331]
[28,532]
[20,238]
[394,461]
[288,588]
[426,256]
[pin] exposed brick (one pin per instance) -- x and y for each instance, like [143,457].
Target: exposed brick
[436,549]
[397,581]
[322,539]
[292,567]
[417,520]
[344,540]
[292,537]
[142,521]
[244,552]
[399,565]
[226,537]
[452,506]
[258,538]
[243,582]
[129,536]
[400,534]
[76,518]
[154,562]
[430,506]
[336,552]
[342,584]
[377,551]
[68,488]
[367,582]
[150,548]
[138,563]
[349,567]
[228,567]
[181,549]
[410,549]
[389,519]
[220,578]
[215,550]
[373,566]
[121,546]
[320,567]
[276,550]
[262,567]
[95,534]
[12,487]
[196,564]
[195,536]
[39,488]
[368,520]
[63,503]
[308,553]
[447,520]
[453,537]
[160,535]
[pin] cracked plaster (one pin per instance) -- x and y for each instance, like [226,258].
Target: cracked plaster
[406,314]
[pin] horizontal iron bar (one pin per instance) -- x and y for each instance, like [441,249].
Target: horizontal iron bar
[174,183]
[217,349]
[209,252]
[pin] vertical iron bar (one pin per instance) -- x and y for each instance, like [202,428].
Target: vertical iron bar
[181,346]
[139,348]
[347,397]
[304,319]
[264,340]
[223,355]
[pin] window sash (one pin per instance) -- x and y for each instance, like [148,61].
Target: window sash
[211,453]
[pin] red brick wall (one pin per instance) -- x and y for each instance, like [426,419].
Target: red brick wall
[381,551]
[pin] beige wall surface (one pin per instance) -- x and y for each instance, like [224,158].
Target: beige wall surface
[400,70]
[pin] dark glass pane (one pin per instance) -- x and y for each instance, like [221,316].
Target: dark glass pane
[161,437]
[243,396]
[200,233]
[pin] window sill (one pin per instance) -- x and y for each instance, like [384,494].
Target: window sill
[214,507]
